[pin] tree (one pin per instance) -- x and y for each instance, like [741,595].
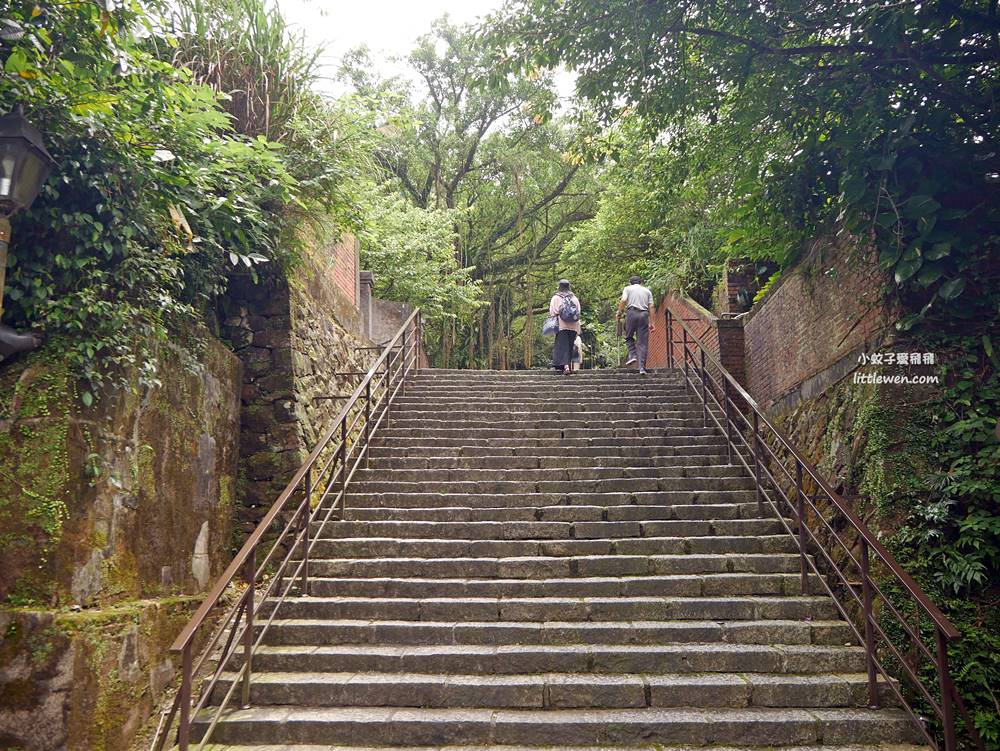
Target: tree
[487,149]
[880,115]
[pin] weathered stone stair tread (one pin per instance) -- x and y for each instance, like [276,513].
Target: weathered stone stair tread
[398,726]
[467,450]
[693,657]
[572,474]
[361,547]
[696,585]
[556,690]
[661,498]
[710,512]
[562,608]
[618,482]
[550,530]
[669,439]
[657,747]
[773,632]
[519,567]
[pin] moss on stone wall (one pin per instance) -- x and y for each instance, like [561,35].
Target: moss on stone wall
[85,681]
[34,469]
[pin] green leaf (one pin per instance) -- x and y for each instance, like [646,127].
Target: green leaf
[87,398]
[17,62]
[929,274]
[852,188]
[938,251]
[920,206]
[888,257]
[952,288]
[907,267]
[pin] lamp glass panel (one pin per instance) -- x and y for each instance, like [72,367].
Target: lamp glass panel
[32,174]
[8,163]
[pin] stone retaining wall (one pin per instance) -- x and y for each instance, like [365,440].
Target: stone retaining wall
[298,338]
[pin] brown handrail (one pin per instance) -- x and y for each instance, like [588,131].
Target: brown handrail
[749,436]
[348,438]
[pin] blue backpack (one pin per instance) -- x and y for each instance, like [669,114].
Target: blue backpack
[569,311]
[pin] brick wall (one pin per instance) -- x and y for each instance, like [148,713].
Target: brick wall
[809,330]
[344,268]
[721,337]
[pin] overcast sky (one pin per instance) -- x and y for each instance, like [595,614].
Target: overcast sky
[389,28]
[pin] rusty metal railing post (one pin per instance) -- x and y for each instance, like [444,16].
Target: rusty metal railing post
[184,726]
[704,395]
[251,575]
[684,354]
[387,380]
[368,423]
[756,463]
[866,600]
[800,510]
[729,420]
[947,691]
[670,339]
[402,365]
[307,534]
[343,467]
[419,333]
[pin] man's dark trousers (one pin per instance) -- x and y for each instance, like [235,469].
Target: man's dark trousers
[637,335]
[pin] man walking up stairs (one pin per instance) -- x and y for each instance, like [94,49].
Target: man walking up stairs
[525,566]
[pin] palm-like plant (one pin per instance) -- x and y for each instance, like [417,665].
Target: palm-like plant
[246,51]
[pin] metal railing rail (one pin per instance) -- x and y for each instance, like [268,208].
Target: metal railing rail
[273,568]
[783,479]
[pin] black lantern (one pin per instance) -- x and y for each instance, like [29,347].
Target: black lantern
[24,162]
[24,165]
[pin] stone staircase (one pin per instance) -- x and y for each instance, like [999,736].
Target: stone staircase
[535,561]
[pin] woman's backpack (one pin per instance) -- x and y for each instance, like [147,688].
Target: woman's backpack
[569,310]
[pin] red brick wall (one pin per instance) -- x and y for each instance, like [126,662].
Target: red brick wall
[722,338]
[345,267]
[822,310]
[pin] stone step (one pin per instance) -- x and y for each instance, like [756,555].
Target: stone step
[647,585]
[706,448]
[405,421]
[553,690]
[561,728]
[550,473]
[430,406]
[641,747]
[525,444]
[488,659]
[549,385]
[551,567]
[381,462]
[546,375]
[374,547]
[656,498]
[436,373]
[604,484]
[553,388]
[290,632]
[623,433]
[550,530]
[559,608]
[555,513]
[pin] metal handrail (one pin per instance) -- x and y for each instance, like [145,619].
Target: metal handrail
[727,404]
[325,475]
